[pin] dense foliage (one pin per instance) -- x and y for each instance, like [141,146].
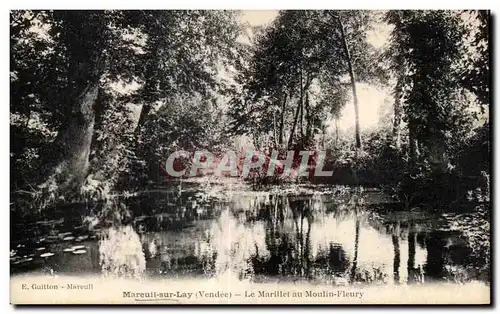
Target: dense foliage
[85,85]
[99,99]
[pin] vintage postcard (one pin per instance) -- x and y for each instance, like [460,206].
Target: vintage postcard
[250,157]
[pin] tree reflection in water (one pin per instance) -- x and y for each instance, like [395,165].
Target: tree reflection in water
[120,248]
[121,252]
[316,237]
[336,238]
[230,244]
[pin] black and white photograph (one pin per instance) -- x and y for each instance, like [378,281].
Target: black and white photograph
[250,157]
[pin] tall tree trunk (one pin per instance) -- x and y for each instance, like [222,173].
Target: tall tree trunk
[336,131]
[412,141]
[301,105]
[353,82]
[294,125]
[299,109]
[275,131]
[308,119]
[282,120]
[396,138]
[301,119]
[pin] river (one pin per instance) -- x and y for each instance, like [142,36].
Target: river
[314,234]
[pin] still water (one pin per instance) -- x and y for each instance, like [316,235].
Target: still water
[331,235]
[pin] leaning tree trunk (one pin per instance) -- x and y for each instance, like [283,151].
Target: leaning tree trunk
[353,82]
[69,163]
[150,87]
[282,120]
[303,89]
[308,119]
[73,145]
[146,108]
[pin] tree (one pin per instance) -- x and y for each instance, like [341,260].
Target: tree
[75,42]
[296,52]
[424,47]
[349,29]
[83,53]
[182,52]
[349,61]
[475,71]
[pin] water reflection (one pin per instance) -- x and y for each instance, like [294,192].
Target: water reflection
[230,245]
[120,252]
[338,238]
